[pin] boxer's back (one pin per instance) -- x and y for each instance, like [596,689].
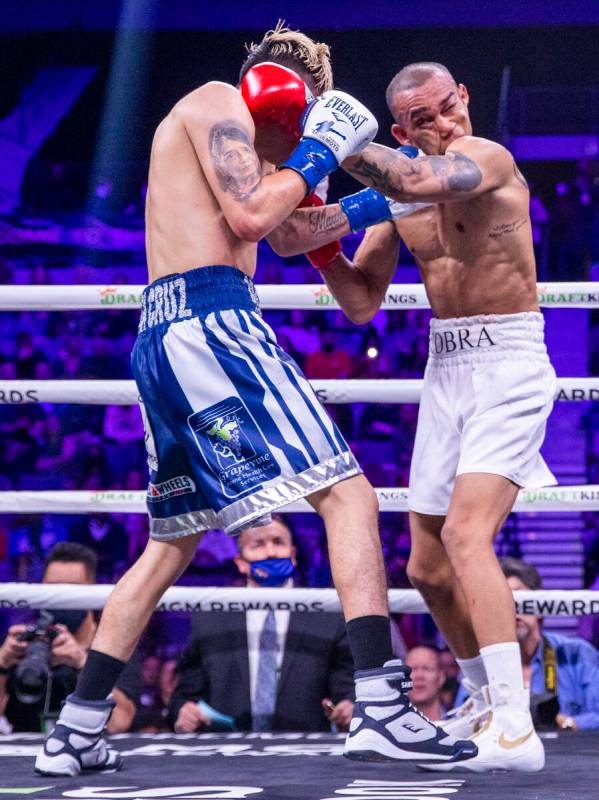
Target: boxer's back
[185,227]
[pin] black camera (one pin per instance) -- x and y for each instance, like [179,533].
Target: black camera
[31,673]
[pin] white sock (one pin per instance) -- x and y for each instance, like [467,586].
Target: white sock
[503,665]
[473,669]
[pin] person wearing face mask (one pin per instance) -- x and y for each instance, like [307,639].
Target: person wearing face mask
[40,662]
[265,670]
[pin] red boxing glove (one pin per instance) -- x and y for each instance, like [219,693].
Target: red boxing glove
[322,256]
[275,95]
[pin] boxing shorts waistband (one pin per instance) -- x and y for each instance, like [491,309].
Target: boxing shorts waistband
[487,336]
[196,293]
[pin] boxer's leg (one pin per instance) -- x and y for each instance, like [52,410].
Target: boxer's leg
[76,743]
[384,725]
[479,506]
[136,595]
[350,513]
[431,572]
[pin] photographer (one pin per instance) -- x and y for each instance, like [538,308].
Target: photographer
[39,663]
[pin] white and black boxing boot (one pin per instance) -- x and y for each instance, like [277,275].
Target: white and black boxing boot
[386,727]
[506,740]
[76,743]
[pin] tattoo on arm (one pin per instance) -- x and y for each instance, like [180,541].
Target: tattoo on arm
[235,161]
[393,174]
[322,222]
[520,176]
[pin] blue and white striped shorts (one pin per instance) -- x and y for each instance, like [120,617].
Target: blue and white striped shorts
[233,428]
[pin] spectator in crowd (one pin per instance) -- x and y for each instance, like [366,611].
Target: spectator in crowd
[267,670]
[561,671]
[330,362]
[153,711]
[427,680]
[451,672]
[25,697]
[102,534]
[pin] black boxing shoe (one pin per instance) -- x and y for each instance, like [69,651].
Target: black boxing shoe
[386,727]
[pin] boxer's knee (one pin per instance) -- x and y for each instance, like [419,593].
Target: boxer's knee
[464,541]
[354,498]
[429,578]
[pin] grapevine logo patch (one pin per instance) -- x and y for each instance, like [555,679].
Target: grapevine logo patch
[233,447]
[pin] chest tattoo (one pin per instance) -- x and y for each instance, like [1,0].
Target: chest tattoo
[508,227]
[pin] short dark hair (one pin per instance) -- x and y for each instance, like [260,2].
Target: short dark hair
[527,573]
[280,519]
[411,77]
[67,552]
[295,50]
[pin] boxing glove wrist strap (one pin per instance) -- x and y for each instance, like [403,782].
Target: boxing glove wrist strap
[365,208]
[312,160]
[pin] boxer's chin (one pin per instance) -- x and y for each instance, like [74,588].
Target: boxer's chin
[273,144]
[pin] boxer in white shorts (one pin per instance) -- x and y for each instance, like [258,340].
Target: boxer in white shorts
[488,388]
[487,393]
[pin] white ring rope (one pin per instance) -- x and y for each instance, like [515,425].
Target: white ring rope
[207,598]
[554,498]
[124,393]
[292,296]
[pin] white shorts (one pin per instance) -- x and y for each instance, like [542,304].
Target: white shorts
[488,390]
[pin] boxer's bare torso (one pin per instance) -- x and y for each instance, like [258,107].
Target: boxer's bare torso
[476,256]
[185,225]
[207,201]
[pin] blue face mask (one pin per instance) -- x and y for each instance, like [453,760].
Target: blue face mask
[271,571]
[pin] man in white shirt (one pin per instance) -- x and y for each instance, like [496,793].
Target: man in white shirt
[268,670]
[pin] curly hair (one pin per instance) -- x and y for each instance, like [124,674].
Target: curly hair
[295,50]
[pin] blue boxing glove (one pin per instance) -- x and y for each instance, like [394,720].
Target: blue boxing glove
[369,207]
[334,126]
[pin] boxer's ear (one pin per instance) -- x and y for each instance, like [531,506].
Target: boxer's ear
[463,94]
[400,134]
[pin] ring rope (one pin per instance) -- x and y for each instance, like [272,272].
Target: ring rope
[124,393]
[553,498]
[293,296]
[546,603]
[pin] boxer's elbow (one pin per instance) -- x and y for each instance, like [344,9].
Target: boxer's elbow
[360,314]
[249,227]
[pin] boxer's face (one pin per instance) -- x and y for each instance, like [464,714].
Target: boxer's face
[433,115]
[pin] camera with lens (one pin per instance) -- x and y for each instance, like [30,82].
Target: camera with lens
[31,673]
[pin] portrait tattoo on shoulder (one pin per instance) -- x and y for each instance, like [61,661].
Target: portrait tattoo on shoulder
[235,160]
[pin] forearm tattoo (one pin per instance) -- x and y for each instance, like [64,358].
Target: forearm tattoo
[323,221]
[235,160]
[396,175]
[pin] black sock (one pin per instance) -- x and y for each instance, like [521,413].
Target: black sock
[370,641]
[99,675]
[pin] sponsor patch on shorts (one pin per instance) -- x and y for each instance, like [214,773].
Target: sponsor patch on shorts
[174,487]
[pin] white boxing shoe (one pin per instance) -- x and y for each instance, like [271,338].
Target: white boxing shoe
[465,720]
[76,743]
[385,726]
[506,740]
